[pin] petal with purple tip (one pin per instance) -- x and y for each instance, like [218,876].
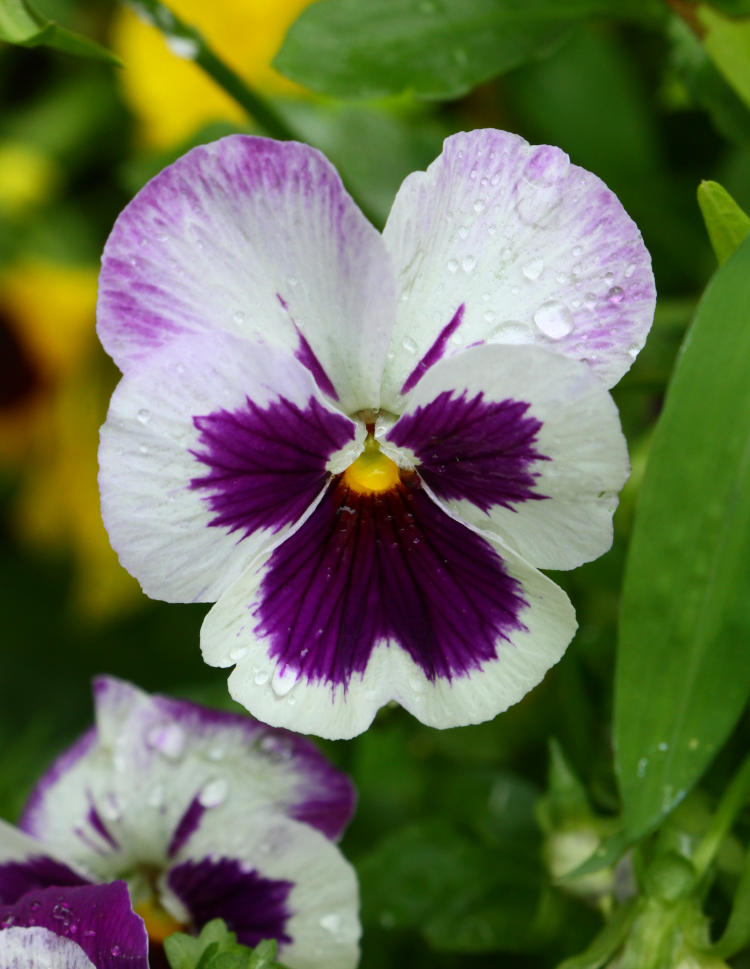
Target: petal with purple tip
[211,242]
[538,250]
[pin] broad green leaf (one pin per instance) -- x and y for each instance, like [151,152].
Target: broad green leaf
[682,675]
[726,223]
[436,48]
[728,43]
[21,24]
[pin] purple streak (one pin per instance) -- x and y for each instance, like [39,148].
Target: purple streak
[98,918]
[365,568]
[482,451]
[435,352]
[252,906]
[186,826]
[306,356]
[19,877]
[267,464]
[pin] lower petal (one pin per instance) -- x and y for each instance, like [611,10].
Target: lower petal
[375,596]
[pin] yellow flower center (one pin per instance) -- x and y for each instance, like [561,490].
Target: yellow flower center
[159,923]
[373,471]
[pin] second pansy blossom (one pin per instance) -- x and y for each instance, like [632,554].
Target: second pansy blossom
[364,446]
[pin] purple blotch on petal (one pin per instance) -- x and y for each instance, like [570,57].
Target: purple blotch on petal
[267,464]
[186,826]
[435,352]
[365,568]
[473,449]
[98,918]
[19,877]
[252,906]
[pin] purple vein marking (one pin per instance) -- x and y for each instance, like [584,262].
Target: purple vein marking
[435,352]
[307,357]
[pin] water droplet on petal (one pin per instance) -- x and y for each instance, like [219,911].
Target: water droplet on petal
[214,793]
[238,316]
[462,232]
[409,345]
[115,951]
[261,678]
[554,319]
[452,265]
[630,270]
[238,652]
[331,923]
[468,264]
[534,269]
[168,738]
[283,680]
[144,416]
[489,317]
[479,205]
[577,252]
[616,294]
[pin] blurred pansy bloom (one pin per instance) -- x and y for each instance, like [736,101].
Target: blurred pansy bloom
[53,391]
[205,815]
[72,927]
[365,446]
[171,96]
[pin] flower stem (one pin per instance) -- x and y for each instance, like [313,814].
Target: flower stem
[186,41]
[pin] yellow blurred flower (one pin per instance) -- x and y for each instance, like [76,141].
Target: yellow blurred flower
[172,97]
[27,176]
[49,421]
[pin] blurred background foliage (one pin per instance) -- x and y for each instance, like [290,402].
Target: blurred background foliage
[460,835]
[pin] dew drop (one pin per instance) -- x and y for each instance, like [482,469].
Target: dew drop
[238,316]
[616,294]
[283,680]
[479,206]
[143,449]
[144,416]
[331,923]
[554,319]
[468,264]
[216,753]
[409,345]
[238,652]
[512,331]
[642,765]
[184,47]
[489,316]
[61,911]
[630,270]
[168,739]
[214,793]
[452,265]
[577,252]
[261,678]
[110,808]
[507,253]
[462,232]
[534,269]
[115,951]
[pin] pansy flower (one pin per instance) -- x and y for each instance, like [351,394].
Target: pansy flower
[364,447]
[205,815]
[77,927]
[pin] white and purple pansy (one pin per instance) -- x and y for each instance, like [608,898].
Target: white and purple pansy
[79,927]
[363,447]
[205,815]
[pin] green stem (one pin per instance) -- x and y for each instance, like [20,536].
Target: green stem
[731,804]
[186,41]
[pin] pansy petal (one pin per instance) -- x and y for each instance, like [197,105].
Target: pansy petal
[160,766]
[526,247]
[28,865]
[40,948]
[98,917]
[258,238]
[520,441]
[275,878]
[371,597]
[212,449]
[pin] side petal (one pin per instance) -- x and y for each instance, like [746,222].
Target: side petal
[372,596]
[258,238]
[212,449]
[39,948]
[160,766]
[522,442]
[269,877]
[97,919]
[27,865]
[535,249]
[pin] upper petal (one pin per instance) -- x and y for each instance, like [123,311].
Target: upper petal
[159,766]
[535,249]
[522,442]
[258,238]
[213,448]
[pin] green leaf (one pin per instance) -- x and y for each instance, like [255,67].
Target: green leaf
[21,24]
[728,43]
[726,223]
[607,942]
[187,951]
[682,674]
[436,48]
